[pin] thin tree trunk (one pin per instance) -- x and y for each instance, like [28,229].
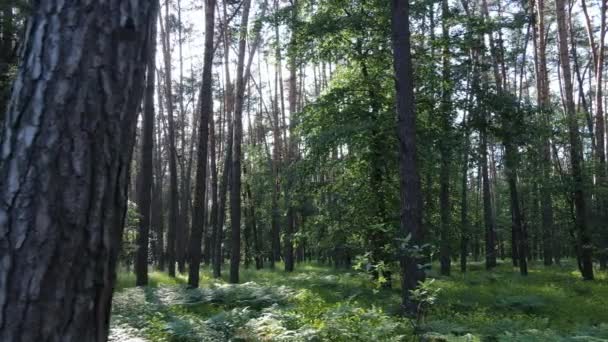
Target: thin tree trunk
[276,154]
[291,145]
[223,188]
[411,208]
[158,198]
[544,106]
[173,191]
[181,241]
[464,204]
[488,212]
[576,158]
[146,162]
[242,78]
[445,146]
[214,189]
[509,119]
[235,185]
[206,111]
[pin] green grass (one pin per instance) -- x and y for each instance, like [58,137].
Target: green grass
[126,279]
[317,303]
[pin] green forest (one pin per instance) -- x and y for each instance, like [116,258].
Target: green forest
[303,170]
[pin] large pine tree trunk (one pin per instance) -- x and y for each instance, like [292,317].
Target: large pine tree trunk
[576,153]
[66,150]
[146,160]
[411,201]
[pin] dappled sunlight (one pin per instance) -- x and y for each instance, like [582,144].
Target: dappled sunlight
[320,303]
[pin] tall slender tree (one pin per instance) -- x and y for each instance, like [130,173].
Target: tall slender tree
[173,190]
[584,245]
[291,145]
[411,201]
[206,111]
[446,142]
[235,184]
[543,101]
[146,162]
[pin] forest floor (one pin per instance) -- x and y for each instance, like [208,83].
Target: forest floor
[318,303]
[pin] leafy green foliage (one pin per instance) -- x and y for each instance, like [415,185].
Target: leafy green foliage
[317,303]
[129,235]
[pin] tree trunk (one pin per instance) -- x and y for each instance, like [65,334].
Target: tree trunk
[173,191]
[158,198]
[464,204]
[223,188]
[411,208]
[181,241]
[206,111]
[235,185]
[597,51]
[67,143]
[242,77]
[214,189]
[291,146]
[576,157]
[275,254]
[146,162]
[520,236]
[445,146]
[544,104]
[488,212]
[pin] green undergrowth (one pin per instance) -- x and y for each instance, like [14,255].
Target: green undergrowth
[318,303]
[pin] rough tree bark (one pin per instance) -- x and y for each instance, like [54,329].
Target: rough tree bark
[64,166]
